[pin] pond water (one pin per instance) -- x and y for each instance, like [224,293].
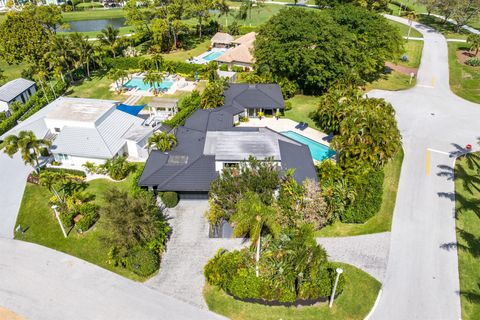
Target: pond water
[93,25]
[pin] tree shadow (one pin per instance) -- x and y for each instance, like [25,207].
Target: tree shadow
[472,245]
[471,296]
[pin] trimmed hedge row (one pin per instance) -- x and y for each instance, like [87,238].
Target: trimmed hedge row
[134,63]
[70,171]
[187,106]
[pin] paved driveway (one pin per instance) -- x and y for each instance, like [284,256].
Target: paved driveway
[13,175]
[422,279]
[40,283]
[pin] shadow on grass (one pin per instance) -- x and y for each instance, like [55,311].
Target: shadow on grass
[473,297]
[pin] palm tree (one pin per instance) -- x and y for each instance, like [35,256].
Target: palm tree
[29,146]
[152,79]
[157,61]
[474,41]
[212,96]
[162,141]
[411,16]
[84,50]
[224,10]
[118,76]
[109,38]
[252,218]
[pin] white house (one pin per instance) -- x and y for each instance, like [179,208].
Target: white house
[91,130]
[16,90]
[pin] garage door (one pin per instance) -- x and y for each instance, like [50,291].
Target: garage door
[193,195]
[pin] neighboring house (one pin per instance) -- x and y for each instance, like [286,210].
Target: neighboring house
[16,90]
[209,141]
[94,130]
[240,54]
[221,40]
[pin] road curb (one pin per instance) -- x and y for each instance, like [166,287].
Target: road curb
[374,305]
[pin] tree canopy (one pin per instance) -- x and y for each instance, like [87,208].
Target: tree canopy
[317,48]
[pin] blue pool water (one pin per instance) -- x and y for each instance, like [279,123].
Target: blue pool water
[138,83]
[319,151]
[212,55]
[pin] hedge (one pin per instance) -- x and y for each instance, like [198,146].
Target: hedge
[143,262]
[188,105]
[169,199]
[70,171]
[89,212]
[134,63]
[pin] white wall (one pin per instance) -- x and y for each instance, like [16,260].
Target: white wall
[3,106]
[77,162]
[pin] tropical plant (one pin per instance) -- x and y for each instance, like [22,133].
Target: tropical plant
[118,76]
[212,97]
[253,218]
[473,41]
[117,168]
[28,145]
[162,141]
[109,39]
[153,79]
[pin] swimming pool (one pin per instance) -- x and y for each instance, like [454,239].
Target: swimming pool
[319,151]
[212,55]
[138,83]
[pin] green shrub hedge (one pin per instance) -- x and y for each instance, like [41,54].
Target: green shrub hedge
[70,171]
[188,105]
[143,262]
[368,200]
[169,199]
[89,212]
[134,63]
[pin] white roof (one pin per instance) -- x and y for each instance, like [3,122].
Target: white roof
[80,109]
[14,88]
[103,141]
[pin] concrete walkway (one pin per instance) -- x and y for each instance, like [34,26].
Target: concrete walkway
[468,28]
[422,280]
[40,283]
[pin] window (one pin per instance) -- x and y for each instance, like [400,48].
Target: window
[57,130]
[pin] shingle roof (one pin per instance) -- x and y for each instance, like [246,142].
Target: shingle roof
[242,54]
[104,141]
[221,37]
[14,88]
[261,95]
[246,39]
[297,157]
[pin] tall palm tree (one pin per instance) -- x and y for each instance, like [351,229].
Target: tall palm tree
[162,141]
[474,41]
[252,218]
[109,38]
[411,16]
[28,145]
[157,61]
[152,79]
[117,75]
[212,96]
[84,50]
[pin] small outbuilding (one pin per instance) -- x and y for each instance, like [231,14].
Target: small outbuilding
[16,90]
[221,40]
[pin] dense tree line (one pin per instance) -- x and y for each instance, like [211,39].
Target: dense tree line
[462,11]
[316,48]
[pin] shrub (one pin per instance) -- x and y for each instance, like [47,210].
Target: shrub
[89,212]
[117,168]
[288,105]
[245,285]
[368,200]
[223,67]
[143,261]
[219,270]
[169,199]
[187,106]
[74,172]
[237,69]
[66,217]
[473,62]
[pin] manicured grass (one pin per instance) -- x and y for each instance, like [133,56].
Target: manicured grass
[468,238]
[447,29]
[97,87]
[382,221]
[259,15]
[302,106]
[464,80]
[94,34]
[93,14]
[394,81]
[413,50]
[183,55]
[11,71]
[355,302]
[404,29]
[42,228]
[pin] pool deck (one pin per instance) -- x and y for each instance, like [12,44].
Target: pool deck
[284,124]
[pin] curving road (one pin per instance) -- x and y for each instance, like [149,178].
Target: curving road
[422,279]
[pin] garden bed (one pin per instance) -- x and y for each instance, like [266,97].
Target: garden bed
[464,55]
[355,302]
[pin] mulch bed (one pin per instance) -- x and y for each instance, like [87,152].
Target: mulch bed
[464,55]
[401,69]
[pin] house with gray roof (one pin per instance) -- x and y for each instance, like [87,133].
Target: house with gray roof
[209,141]
[16,90]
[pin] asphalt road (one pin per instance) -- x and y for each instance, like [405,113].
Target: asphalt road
[41,283]
[422,280]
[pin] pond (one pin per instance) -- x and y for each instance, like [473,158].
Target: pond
[93,25]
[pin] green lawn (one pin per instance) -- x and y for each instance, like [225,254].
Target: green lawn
[11,71]
[382,221]
[404,29]
[302,106]
[93,14]
[94,34]
[464,80]
[42,228]
[447,29]
[468,238]
[355,302]
[394,81]
[182,55]
[97,88]
[413,50]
